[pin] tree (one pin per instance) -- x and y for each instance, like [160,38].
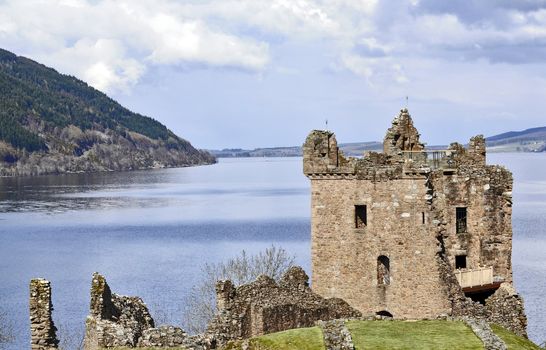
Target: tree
[200,304]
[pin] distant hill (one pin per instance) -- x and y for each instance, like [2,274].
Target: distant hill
[55,123]
[530,140]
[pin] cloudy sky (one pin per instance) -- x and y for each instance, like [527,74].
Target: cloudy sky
[258,73]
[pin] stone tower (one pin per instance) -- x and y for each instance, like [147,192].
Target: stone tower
[409,232]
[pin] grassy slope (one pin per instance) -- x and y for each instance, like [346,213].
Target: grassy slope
[513,341]
[413,335]
[294,339]
[379,335]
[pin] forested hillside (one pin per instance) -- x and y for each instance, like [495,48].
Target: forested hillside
[55,123]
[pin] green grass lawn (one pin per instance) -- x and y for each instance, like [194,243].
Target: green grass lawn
[435,335]
[383,335]
[513,341]
[294,339]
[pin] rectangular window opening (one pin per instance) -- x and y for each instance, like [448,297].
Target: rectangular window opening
[361,219]
[423,217]
[461,220]
[460,262]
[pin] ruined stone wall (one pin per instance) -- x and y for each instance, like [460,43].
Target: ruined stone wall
[411,200]
[42,329]
[344,258]
[402,135]
[486,193]
[505,308]
[264,306]
[114,320]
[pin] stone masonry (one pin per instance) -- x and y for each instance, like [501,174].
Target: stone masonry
[263,307]
[114,320]
[393,232]
[122,321]
[42,329]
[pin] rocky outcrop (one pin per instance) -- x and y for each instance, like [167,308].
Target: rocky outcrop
[263,307]
[42,329]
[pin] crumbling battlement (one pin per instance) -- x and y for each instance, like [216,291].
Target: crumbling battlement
[42,329]
[411,232]
[263,307]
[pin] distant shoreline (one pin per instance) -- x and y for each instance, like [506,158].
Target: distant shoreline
[352,151]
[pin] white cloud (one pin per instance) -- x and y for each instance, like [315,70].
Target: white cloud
[102,63]
[112,43]
[192,41]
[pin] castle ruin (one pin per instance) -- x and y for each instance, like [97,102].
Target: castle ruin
[412,233]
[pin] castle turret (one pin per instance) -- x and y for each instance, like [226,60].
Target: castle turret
[402,135]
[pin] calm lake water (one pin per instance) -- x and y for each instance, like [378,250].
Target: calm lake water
[149,232]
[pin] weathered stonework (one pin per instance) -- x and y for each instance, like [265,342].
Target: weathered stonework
[164,336]
[263,307]
[490,340]
[42,329]
[336,335]
[114,320]
[393,232]
[121,321]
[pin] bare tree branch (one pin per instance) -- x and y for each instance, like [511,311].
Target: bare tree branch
[200,304]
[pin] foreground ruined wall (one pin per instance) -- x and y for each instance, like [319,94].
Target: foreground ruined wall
[42,329]
[263,307]
[116,321]
[400,256]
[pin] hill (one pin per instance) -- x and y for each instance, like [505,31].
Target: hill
[55,123]
[530,140]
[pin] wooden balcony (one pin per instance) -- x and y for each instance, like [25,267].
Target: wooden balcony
[474,280]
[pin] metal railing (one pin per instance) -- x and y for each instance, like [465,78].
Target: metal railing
[433,158]
[474,277]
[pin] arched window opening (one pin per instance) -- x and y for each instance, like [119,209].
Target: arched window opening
[383,271]
[384,313]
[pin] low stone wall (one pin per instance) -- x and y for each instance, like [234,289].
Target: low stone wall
[482,330]
[164,336]
[263,307]
[43,333]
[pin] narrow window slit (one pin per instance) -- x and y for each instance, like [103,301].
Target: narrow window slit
[361,216]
